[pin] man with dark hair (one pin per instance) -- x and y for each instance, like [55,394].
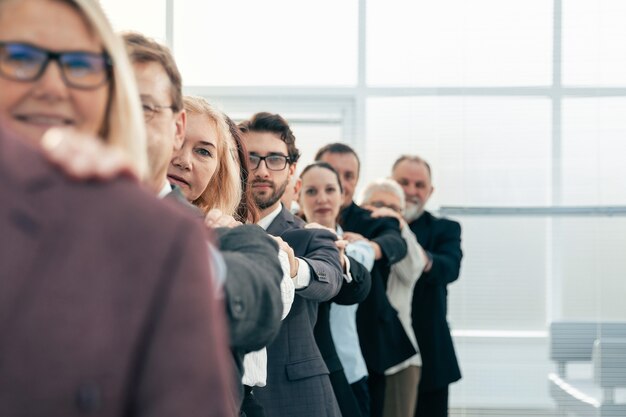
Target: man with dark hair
[441,239]
[385,344]
[272,125]
[297,377]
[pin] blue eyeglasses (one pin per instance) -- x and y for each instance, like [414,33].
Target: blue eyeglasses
[27,63]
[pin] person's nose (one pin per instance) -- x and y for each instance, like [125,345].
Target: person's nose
[51,85]
[261,171]
[322,197]
[182,160]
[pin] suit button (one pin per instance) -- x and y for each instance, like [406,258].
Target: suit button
[88,398]
[237,306]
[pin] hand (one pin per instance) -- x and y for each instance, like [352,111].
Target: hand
[293,261]
[215,218]
[314,225]
[353,237]
[341,245]
[85,157]
[386,212]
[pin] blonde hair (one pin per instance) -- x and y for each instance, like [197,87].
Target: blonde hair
[224,189]
[124,125]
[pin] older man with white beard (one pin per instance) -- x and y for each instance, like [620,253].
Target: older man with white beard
[441,239]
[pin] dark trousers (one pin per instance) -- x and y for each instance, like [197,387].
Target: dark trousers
[432,403]
[376,385]
[348,404]
[362,394]
[250,406]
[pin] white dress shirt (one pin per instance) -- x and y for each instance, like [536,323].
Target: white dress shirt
[303,277]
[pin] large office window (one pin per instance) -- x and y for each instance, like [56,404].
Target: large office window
[276,42]
[459,43]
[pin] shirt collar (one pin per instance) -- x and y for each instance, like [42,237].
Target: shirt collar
[167,188]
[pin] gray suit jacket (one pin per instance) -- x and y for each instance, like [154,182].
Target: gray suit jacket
[106,300]
[252,285]
[297,377]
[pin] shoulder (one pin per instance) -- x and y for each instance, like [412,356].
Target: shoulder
[245,236]
[445,223]
[437,226]
[122,210]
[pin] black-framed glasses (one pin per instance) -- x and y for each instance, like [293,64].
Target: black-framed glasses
[272,162]
[27,63]
[150,110]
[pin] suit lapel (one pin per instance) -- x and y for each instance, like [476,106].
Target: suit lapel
[281,223]
[422,229]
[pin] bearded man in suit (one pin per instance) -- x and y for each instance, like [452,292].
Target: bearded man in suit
[297,377]
[441,239]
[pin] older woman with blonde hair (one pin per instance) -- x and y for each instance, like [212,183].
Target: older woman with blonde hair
[204,168]
[95,92]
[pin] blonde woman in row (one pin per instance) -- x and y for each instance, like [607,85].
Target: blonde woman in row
[210,173]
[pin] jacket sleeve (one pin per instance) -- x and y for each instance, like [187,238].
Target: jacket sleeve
[387,235]
[357,290]
[446,255]
[252,287]
[317,248]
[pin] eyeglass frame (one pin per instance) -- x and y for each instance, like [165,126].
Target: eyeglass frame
[57,57]
[264,159]
[380,204]
[153,109]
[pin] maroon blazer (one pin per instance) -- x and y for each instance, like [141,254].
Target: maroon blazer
[106,300]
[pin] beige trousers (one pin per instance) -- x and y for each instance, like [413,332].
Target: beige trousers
[401,392]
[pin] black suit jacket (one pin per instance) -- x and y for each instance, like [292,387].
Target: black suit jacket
[441,238]
[384,342]
[297,378]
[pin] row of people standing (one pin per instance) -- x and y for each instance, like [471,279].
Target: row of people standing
[192,146]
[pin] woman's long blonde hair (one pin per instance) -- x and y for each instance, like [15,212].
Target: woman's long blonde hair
[124,124]
[224,189]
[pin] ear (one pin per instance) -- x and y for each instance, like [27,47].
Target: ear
[181,125]
[292,170]
[296,189]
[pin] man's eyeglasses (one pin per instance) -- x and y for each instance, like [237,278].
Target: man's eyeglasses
[27,63]
[272,162]
[150,110]
[380,204]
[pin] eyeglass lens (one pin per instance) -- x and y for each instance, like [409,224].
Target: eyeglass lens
[272,162]
[22,62]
